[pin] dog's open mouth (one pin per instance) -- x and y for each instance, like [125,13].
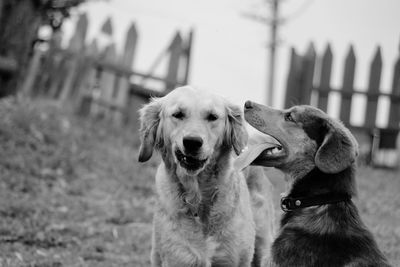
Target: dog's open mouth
[189,162]
[271,153]
[260,151]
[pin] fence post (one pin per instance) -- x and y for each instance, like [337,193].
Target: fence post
[325,79]
[56,66]
[308,75]
[394,111]
[373,89]
[1,8]
[292,88]
[34,67]
[347,86]
[105,77]
[107,82]
[77,44]
[53,68]
[88,82]
[127,59]
[175,50]
[188,51]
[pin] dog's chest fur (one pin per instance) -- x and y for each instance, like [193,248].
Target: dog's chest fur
[210,211]
[206,200]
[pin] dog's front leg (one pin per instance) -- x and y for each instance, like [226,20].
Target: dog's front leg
[179,247]
[155,257]
[183,258]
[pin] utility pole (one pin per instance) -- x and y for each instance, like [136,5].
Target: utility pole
[272,54]
[273,22]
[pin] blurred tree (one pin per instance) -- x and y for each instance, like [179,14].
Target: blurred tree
[19,24]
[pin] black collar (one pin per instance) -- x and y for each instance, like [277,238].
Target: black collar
[293,203]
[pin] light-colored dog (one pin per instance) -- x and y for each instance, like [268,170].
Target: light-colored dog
[204,214]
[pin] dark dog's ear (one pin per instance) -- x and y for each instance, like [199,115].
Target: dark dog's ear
[338,150]
[236,135]
[149,121]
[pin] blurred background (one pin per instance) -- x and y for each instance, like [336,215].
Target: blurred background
[73,74]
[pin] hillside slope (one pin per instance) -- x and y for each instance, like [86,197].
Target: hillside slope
[71,191]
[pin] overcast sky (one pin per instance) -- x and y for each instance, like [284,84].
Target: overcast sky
[230,51]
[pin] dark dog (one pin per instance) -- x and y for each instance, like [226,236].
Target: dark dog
[321,225]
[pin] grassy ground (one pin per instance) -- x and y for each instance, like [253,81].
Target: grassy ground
[73,194]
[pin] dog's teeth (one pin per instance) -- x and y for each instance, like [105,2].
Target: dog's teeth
[275,150]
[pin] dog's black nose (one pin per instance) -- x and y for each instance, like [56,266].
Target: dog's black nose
[248,104]
[192,143]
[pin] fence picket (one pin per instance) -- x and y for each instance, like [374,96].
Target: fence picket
[76,45]
[325,79]
[107,27]
[394,110]
[373,89]
[107,83]
[31,74]
[293,92]
[347,86]
[85,81]
[78,39]
[175,50]
[128,55]
[57,67]
[188,51]
[88,82]
[1,8]
[308,67]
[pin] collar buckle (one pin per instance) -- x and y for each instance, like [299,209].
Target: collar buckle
[287,204]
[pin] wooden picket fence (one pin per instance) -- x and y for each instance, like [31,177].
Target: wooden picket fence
[100,82]
[309,82]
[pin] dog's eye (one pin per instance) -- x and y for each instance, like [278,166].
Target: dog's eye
[212,117]
[178,115]
[288,117]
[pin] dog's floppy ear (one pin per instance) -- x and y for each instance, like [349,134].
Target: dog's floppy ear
[236,134]
[338,149]
[149,121]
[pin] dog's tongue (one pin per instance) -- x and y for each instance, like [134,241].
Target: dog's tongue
[250,154]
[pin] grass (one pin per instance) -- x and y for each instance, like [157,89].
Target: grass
[73,194]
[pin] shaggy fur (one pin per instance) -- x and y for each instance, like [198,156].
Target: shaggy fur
[204,210]
[318,155]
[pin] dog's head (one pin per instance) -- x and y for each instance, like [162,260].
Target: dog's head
[190,127]
[308,138]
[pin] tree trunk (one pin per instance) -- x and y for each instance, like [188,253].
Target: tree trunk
[19,22]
